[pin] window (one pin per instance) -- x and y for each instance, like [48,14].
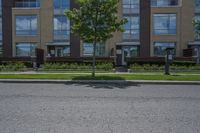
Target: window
[197,3]
[25,49]
[164,24]
[88,49]
[1,28]
[0,8]
[131,6]
[1,49]
[1,20]
[130,51]
[132,28]
[27,3]
[197,17]
[26,25]
[61,28]
[160,48]
[163,3]
[61,4]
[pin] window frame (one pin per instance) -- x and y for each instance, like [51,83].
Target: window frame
[30,31]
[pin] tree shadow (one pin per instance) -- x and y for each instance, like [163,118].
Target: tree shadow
[103,82]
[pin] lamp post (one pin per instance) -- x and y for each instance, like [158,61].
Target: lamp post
[168,60]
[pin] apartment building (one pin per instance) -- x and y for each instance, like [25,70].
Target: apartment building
[153,26]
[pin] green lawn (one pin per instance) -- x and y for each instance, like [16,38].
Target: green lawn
[103,77]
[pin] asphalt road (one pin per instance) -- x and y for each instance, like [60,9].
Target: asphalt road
[93,108]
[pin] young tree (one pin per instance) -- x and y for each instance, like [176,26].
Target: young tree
[95,22]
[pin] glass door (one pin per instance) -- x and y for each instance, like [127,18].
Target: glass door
[59,52]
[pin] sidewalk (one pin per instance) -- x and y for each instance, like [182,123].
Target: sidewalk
[82,73]
[156,82]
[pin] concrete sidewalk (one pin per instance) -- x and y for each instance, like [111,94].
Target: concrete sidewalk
[159,82]
[147,73]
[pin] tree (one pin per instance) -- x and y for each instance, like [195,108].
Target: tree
[95,22]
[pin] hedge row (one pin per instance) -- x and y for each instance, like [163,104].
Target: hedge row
[154,67]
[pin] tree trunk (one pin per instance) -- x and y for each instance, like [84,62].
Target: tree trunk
[94,60]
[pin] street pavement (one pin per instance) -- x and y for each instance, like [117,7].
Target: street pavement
[99,108]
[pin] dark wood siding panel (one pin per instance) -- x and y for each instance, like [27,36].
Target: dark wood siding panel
[74,40]
[7,26]
[145,28]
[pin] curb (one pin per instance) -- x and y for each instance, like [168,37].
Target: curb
[153,82]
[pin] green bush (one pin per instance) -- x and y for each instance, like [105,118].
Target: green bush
[76,66]
[155,68]
[19,66]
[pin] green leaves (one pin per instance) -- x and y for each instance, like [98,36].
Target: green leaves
[96,19]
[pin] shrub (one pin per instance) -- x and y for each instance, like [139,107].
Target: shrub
[19,66]
[77,66]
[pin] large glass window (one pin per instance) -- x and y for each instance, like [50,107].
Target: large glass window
[59,51]
[25,49]
[61,4]
[131,6]
[132,28]
[197,17]
[1,49]
[164,24]
[88,49]
[161,3]
[61,28]
[27,3]
[160,48]
[197,3]
[26,25]
[1,28]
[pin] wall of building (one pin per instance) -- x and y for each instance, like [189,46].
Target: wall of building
[7,27]
[166,38]
[187,28]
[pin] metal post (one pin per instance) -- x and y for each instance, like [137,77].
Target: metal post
[168,60]
[167,63]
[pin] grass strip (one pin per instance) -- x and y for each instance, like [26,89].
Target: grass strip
[102,77]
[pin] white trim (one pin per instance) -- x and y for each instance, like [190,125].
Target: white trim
[58,44]
[128,43]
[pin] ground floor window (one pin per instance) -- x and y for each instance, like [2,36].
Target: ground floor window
[59,51]
[88,49]
[25,49]
[1,49]
[160,48]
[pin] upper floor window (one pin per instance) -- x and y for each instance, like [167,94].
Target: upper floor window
[26,25]
[61,28]
[163,3]
[0,8]
[164,24]
[197,17]
[27,3]
[1,49]
[131,6]
[197,3]
[61,4]
[132,28]
[1,28]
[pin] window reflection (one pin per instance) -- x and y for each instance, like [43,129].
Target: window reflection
[88,49]
[61,28]
[164,24]
[26,25]
[25,49]
[160,48]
